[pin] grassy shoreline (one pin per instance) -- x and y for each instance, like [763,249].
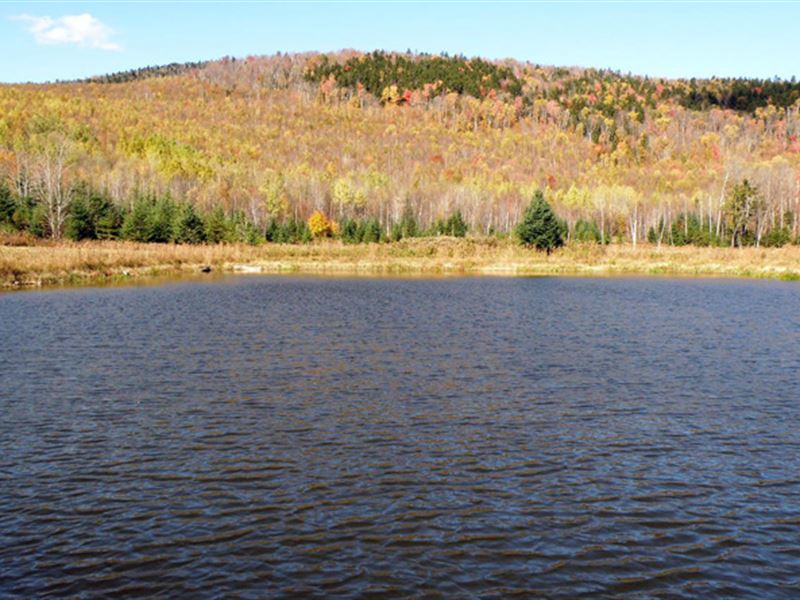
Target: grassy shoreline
[64,263]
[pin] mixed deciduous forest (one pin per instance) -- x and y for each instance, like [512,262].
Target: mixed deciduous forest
[379,146]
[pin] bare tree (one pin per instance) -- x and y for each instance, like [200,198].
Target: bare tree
[52,163]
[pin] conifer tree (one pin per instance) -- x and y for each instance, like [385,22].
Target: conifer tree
[540,228]
[372,231]
[137,223]
[7,204]
[217,229]
[80,225]
[189,227]
[456,226]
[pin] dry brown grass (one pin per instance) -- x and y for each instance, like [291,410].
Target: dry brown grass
[58,263]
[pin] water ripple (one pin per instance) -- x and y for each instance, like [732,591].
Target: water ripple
[477,438]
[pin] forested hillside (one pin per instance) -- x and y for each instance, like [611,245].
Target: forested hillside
[376,146]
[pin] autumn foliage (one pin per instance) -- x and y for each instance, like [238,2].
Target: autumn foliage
[382,141]
[321,226]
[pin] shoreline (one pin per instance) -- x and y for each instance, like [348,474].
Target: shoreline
[49,264]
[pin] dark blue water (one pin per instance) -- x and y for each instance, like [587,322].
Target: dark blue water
[385,438]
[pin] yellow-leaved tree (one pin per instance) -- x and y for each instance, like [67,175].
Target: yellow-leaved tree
[321,226]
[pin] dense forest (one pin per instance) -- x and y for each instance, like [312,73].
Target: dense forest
[379,146]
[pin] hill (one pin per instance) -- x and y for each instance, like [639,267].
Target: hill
[248,148]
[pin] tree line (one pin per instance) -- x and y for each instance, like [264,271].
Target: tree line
[92,215]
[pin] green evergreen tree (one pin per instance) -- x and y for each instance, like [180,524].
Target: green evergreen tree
[7,204]
[106,217]
[438,227]
[351,231]
[777,238]
[372,232]
[162,221]
[586,231]
[241,230]
[408,224]
[80,224]
[137,223]
[540,228]
[217,227]
[188,227]
[273,232]
[38,224]
[285,232]
[396,233]
[108,223]
[303,233]
[23,214]
[456,225]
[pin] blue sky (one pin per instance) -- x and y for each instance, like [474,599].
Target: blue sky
[61,40]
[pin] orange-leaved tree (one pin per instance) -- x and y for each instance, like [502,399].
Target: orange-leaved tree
[321,226]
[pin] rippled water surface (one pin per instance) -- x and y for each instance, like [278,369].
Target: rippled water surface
[286,437]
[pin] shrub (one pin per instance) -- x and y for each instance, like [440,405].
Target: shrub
[780,236]
[321,226]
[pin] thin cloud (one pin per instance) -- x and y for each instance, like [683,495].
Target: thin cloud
[82,30]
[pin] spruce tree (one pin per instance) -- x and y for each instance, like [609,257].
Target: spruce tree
[540,228]
[350,232]
[107,226]
[188,227]
[137,223]
[408,223]
[162,221]
[80,225]
[7,204]
[456,225]
[372,231]
[217,226]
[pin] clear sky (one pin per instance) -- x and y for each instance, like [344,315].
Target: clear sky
[42,41]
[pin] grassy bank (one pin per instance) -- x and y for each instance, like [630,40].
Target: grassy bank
[48,263]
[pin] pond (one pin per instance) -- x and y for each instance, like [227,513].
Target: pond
[353,437]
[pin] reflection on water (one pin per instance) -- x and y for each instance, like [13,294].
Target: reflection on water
[371,437]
